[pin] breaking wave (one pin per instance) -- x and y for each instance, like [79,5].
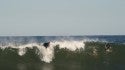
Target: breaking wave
[69,53]
[45,54]
[68,49]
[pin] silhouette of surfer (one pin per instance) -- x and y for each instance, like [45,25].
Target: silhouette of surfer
[46,44]
[107,46]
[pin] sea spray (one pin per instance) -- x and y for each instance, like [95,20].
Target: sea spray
[71,45]
[47,54]
[28,53]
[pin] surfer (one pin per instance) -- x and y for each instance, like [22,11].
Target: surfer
[107,46]
[46,44]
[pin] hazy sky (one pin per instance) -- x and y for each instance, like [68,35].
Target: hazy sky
[62,17]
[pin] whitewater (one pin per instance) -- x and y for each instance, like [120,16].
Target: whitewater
[46,54]
[64,52]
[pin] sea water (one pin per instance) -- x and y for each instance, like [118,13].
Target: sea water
[63,53]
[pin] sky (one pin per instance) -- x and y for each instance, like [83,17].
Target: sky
[62,17]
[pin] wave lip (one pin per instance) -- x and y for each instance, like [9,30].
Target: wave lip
[46,54]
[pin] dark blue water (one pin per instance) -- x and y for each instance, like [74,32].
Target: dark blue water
[26,39]
[111,38]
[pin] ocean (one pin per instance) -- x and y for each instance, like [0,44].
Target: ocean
[99,52]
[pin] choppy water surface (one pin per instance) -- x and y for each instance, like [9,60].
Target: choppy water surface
[63,53]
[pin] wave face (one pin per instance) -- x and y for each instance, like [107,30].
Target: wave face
[75,52]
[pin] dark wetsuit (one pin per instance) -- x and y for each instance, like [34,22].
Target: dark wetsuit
[46,45]
[107,46]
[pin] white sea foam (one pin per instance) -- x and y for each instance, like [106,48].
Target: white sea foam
[47,54]
[71,45]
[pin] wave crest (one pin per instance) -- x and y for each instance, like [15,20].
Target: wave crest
[46,54]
